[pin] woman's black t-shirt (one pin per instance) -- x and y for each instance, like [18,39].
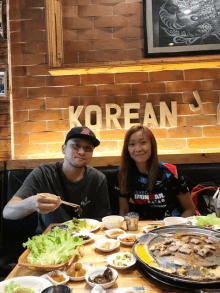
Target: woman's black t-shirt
[162,201]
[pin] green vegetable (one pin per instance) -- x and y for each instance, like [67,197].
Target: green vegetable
[12,287]
[210,219]
[75,224]
[52,248]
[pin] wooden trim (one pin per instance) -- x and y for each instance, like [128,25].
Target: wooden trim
[153,64]
[115,161]
[2,165]
[54,32]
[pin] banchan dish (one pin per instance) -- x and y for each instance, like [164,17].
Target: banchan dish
[162,270]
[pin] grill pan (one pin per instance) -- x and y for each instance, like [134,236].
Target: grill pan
[173,279]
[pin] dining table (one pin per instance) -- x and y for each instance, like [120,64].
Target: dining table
[135,279]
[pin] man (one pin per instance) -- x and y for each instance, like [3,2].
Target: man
[71,180]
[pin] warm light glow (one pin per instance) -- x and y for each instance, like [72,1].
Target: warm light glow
[188,11]
[133,68]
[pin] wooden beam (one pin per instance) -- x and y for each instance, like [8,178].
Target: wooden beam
[54,32]
[153,64]
[115,161]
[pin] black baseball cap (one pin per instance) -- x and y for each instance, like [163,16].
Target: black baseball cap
[82,132]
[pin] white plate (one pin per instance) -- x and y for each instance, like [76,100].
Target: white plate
[113,256]
[99,271]
[193,221]
[120,237]
[36,283]
[90,222]
[108,233]
[85,233]
[101,241]
[86,265]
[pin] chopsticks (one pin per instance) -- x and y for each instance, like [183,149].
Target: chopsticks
[62,201]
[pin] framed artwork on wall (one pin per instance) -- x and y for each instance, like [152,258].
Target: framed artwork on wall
[181,27]
[1,21]
[3,84]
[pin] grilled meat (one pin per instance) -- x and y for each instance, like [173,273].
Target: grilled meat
[195,241]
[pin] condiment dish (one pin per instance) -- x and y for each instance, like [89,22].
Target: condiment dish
[112,257]
[57,273]
[99,271]
[61,226]
[127,239]
[113,233]
[85,265]
[90,235]
[111,243]
[113,222]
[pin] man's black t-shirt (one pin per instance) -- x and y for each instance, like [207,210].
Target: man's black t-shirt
[91,192]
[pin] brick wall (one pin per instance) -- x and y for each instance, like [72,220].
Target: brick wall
[100,30]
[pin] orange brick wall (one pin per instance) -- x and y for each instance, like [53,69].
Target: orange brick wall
[100,30]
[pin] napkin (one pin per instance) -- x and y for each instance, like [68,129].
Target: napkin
[98,289]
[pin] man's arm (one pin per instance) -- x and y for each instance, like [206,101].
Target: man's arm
[18,208]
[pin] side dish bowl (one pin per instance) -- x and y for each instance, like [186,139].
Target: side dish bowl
[48,276]
[127,239]
[85,265]
[112,257]
[114,233]
[99,271]
[107,245]
[112,222]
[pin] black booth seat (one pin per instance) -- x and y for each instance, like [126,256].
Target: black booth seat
[17,232]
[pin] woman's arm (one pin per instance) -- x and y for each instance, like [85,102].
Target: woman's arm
[187,205]
[123,206]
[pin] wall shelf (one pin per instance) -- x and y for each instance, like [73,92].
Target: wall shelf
[152,64]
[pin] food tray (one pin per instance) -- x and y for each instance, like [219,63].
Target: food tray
[22,261]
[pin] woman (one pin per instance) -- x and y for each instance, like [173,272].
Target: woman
[151,188]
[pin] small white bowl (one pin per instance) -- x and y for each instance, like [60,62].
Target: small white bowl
[120,237]
[99,271]
[85,265]
[57,273]
[175,221]
[111,258]
[112,222]
[115,235]
[114,244]
[91,236]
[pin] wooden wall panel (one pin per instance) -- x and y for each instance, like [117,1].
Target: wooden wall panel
[5,131]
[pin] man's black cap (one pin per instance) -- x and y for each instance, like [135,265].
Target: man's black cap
[83,132]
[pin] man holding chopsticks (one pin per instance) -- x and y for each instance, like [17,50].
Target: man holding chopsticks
[73,181]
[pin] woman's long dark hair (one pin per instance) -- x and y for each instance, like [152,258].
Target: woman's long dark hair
[128,166]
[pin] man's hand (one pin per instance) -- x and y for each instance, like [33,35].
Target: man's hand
[47,202]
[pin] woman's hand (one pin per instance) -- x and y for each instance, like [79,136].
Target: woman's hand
[123,206]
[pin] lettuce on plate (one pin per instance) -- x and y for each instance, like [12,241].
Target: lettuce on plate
[13,287]
[52,248]
[210,219]
[75,224]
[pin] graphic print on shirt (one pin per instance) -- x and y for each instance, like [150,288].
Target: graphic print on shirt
[153,200]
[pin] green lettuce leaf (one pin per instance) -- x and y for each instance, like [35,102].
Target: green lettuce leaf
[52,248]
[75,224]
[12,287]
[210,219]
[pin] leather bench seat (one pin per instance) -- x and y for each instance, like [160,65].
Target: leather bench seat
[14,231]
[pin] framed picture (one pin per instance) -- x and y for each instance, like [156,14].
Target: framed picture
[181,27]
[1,21]
[3,84]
